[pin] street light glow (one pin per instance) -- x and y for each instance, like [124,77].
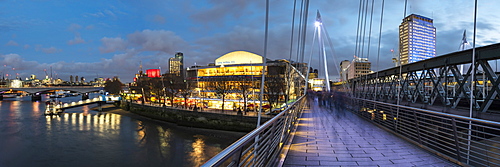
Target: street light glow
[317,23]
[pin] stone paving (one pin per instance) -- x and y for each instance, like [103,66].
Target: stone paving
[340,138]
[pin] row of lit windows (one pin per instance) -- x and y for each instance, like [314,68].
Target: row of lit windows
[421,43]
[227,71]
[422,29]
[420,38]
[423,56]
[422,34]
[416,47]
[429,27]
[422,51]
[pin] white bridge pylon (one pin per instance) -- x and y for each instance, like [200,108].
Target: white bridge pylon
[321,34]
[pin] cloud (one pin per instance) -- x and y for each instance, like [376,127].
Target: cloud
[16,61]
[146,40]
[113,13]
[49,50]
[112,45]
[157,40]
[96,14]
[26,46]
[159,19]
[73,27]
[221,9]
[124,65]
[12,43]
[90,27]
[76,40]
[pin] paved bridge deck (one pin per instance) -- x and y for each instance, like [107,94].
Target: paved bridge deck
[340,138]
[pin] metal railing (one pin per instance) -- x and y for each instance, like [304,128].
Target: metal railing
[261,146]
[463,140]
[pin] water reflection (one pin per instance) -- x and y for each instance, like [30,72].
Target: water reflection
[164,137]
[36,108]
[197,154]
[89,138]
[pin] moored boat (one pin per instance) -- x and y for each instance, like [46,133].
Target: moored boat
[52,108]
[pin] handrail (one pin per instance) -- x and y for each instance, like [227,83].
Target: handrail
[262,145]
[463,140]
[437,113]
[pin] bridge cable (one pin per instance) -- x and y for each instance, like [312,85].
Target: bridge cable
[400,78]
[377,80]
[368,46]
[289,69]
[364,29]
[332,50]
[299,35]
[472,84]
[357,30]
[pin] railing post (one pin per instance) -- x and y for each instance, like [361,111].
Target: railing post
[418,128]
[237,158]
[455,135]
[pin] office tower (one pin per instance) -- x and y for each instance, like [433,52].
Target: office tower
[176,64]
[417,39]
[358,67]
[344,65]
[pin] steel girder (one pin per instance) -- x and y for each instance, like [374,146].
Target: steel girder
[436,81]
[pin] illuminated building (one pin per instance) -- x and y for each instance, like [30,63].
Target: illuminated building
[317,84]
[343,70]
[235,79]
[176,64]
[358,67]
[153,73]
[417,39]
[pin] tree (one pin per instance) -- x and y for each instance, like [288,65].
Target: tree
[113,86]
[275,85]
[275,89]
[221,86]
[245,85]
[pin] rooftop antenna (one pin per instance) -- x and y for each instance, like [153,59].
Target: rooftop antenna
[140,68]
[50,72]
[463,46]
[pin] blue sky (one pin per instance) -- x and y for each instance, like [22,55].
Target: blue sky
[111,38]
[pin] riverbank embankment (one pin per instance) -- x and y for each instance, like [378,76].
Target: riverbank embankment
[189,118]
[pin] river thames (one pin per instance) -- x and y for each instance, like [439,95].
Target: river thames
[83,137]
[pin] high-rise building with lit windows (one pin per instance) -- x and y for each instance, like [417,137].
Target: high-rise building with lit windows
[417,39]
[176,64]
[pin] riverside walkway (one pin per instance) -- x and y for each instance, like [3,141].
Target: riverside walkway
[327,137]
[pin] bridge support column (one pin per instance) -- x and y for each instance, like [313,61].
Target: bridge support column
[100,106]
[85,96]
[36,97]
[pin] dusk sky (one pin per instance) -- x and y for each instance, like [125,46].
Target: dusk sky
[111,38]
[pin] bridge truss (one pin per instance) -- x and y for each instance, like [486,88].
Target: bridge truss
[437,81]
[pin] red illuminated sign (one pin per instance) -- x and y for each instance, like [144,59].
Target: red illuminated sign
[153,73]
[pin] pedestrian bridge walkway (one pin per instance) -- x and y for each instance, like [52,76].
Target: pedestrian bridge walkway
[327,137]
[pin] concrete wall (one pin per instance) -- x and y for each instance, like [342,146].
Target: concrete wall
[195,119]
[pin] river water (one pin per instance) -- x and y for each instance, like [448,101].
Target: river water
[82,137]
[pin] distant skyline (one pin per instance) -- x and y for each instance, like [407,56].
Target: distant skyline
[111,38]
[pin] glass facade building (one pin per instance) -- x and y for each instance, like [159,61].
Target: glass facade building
[417,39]
[176,64]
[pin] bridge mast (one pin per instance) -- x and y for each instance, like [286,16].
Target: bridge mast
[319,26]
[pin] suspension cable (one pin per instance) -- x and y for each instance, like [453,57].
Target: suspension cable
[378,51]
